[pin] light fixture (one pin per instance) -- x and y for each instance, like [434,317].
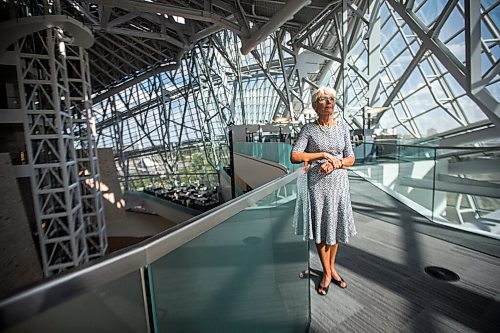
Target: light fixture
[376,109]
[280,120]
[308,111]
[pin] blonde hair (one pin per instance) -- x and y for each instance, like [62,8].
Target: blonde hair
[323,90]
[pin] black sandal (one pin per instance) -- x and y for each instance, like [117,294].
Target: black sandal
[323,289]
[339,282]
[304,274]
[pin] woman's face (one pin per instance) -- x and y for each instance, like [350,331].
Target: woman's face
[324,105]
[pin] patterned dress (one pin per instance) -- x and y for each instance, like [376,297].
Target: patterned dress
[329,200]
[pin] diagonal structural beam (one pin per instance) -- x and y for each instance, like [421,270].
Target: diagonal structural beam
[140,78]
[278,19]
[404,77]
[270,78]
[441,20]
[484,100]
[374,50]
[121,20]
[473,44]
[456,69]
[287,85]
[324,53]
[104,15]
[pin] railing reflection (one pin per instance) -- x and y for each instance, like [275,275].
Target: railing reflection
[457,186]
[272,151]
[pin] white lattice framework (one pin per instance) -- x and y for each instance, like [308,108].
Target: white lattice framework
[87,158]
[48,126]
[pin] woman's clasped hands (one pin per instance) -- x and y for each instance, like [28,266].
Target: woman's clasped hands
[331,163]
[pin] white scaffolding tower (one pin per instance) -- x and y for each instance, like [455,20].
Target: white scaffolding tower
[54,89]
[48,125]
[88,167]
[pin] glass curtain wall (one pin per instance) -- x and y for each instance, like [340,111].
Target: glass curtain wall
[393,80]
[170,129]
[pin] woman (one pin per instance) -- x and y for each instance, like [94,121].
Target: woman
[326,147]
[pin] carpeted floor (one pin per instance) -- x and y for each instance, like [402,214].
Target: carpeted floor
[388,289]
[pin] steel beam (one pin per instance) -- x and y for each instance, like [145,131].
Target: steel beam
[276,21]
[482,98]
[473,45]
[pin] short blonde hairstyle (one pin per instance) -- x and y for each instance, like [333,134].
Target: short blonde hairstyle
[323,90]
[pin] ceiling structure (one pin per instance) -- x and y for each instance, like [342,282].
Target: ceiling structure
[133,36]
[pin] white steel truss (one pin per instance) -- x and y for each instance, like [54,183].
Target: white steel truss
[44,95]
[88,166]
[55,95]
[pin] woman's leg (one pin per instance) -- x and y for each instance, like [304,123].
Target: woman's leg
[324,252]
[335,275]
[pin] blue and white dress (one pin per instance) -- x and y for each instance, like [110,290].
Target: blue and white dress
[329,200]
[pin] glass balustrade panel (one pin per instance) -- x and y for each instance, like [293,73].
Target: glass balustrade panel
[271,151]
[406,172]
[468,189]
[115,307]
[241,276]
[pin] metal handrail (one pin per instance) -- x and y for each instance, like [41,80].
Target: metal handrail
[439,152]
[430,147]
[54,291]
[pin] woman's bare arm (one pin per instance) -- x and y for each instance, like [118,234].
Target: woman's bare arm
[296,157]
[348,161]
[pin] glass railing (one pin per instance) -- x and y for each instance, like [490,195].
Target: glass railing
[456,186]
[232,269]
[271,151]
[240,276]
